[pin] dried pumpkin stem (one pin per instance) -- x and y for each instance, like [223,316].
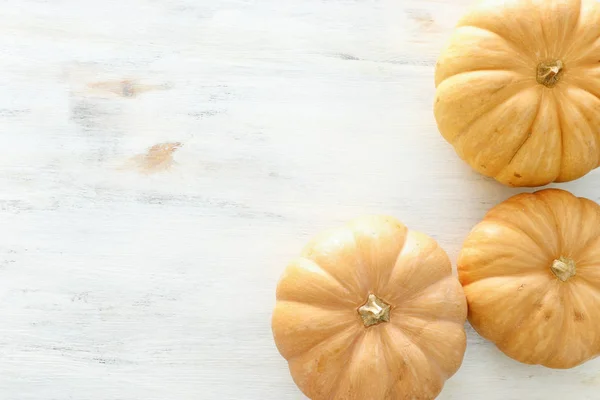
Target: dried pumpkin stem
[374,311]
[564,268]
[549,73]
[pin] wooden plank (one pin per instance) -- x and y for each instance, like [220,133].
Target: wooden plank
[163,160]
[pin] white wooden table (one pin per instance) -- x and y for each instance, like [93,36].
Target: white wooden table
[133,272]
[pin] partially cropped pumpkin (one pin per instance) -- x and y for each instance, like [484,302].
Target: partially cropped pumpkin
[531,274]
[371,311]
[518,90]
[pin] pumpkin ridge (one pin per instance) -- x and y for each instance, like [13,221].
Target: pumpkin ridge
[592,131]
[532,359]
[374,274]
[513,45]
[579,107]
[325,342]
[404,310]
[393,344]
[566,35]
[544,46]
[329,274]
[518,66]
[364,271]
[577,85]
[582,208]
[561,337]
[561,122]
[514,330]
[337,307]
[409,313]
[408,333]
[393,268]
[384,339]
[418,292]
[589,48]
[340,322]
[434,359]
[514,275]
[335,278]
[388,342]
[583,306]
[287,296]
[344,370]
[431,358]
[516,228]
[512,200]
[586,90]
[575,28]
[504,301]
[559,127]
[559,229]
[400,350]
[385,290]
[585,249]
[473,71]
[528,135]
[582,275]
[590,287]
[517,87]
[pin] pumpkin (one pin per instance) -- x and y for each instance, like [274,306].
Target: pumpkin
[371,311]
[531,274]
[518,90]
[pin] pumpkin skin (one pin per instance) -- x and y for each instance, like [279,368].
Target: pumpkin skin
[531,274]
[518,90]
[325,299]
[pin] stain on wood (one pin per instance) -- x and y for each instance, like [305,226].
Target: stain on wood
[593,380]
[158,158]
[125,88]
[423,19]
[205,114]
[346,56]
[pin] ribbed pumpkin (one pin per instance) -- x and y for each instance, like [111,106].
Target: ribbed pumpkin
[531,274]
[518,90]
[371,311]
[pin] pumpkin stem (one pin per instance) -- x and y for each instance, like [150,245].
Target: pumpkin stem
[374,311]
[549,73]
[564,268]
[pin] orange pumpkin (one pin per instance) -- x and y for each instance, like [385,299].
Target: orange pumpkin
[531,274]
[370,311]
[518,90]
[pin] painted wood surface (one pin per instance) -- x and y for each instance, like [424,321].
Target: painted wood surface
[162,160]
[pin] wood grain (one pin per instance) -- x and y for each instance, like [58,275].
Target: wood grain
[292,116]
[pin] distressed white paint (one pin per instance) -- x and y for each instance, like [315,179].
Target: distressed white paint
[294,116]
